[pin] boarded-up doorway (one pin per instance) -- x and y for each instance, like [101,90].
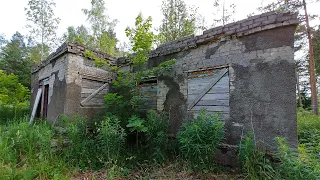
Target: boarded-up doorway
[148,89]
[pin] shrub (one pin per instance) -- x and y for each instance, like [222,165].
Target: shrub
[157,135]
[136,124]
[111,139]
[94,148]
[199,139]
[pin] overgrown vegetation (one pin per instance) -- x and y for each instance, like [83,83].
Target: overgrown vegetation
[93,147]
[286,163]
[200,138]
[25,152]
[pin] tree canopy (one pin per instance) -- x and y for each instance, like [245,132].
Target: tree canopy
[178,20]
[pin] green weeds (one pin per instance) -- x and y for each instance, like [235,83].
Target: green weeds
[199,139]
[25,151]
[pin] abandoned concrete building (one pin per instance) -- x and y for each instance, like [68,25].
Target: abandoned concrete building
[244,70]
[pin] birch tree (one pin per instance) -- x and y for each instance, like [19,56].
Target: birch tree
[104,38]
[42,23]
[178,20]
[223,13]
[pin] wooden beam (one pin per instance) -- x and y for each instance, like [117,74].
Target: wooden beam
[93,94]
[35,105]
[207,88]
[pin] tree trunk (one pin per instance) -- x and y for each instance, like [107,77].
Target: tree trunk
[298,89]
[42,30]
[311,65]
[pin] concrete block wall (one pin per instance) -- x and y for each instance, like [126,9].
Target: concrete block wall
[56,71]
[258,52]
[65,69]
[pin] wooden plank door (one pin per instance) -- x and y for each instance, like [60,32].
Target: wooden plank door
[209,89]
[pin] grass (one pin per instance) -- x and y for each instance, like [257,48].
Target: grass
[9,113]
[26,152]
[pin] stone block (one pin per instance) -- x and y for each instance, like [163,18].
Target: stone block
[260,19]
[249,22]
[243,29]
[294,21]
[283,18]
[236,26]
[254,17]
[272,17]
[268,22]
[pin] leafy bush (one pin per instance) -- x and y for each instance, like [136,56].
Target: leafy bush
[11,91]
[199,139]
[136,124]
[157,135]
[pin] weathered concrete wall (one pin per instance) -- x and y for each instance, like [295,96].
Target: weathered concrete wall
[259,53]
[78,67]
[67,69]
[56,71]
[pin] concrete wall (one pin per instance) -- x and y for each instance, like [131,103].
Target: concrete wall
[261,71]
[66,68]
[77,68]
[56,71]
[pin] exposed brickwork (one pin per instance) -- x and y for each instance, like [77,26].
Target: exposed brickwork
[237,29]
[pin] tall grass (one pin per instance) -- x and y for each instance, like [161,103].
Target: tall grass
[95,147]
[157,135]
[199,139]
[10,113]
[25,151]
[287,163]
[309,131]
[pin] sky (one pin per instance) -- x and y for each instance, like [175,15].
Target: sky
[12,14]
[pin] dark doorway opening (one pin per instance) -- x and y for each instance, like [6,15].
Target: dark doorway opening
[45,101]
